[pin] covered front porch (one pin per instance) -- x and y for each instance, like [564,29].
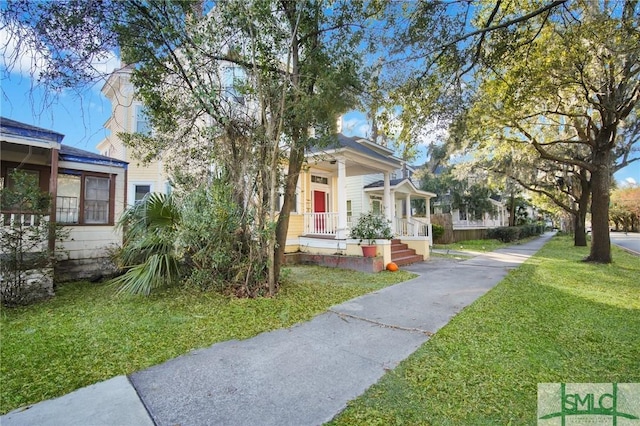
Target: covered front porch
[341,183]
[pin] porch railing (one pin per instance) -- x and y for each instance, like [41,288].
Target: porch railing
[21,218]
[19,226]
[477,224]
[405,227]
[413,227]
[320,223]
[327,224]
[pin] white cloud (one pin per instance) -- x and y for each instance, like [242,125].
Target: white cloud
[106,65]
[631,181]
[19,53]
[352,126]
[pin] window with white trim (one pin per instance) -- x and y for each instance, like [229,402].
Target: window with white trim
[376,206]
[142,121]
[139,192]
[232,77]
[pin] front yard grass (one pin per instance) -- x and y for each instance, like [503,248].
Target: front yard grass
[554,319]
[85,334]
[478,245]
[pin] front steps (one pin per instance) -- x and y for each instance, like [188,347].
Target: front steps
[401,254]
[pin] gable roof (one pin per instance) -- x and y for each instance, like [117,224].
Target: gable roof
[357,144]
[397,183]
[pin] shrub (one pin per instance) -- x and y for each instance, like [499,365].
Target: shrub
[26,260]
[218,252]
[150,254]
[203,237]
[371,227]
[506,234]
[438,231]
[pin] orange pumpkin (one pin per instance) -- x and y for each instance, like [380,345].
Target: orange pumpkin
[392,267]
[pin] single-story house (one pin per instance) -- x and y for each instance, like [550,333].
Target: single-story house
[88,193]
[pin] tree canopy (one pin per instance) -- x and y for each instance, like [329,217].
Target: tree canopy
[559,97]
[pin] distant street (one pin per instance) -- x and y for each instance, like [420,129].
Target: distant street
[630,241]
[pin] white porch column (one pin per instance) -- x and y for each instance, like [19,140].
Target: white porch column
[341,232]
[408,202]
[388,203]
[408,209]
[427,206]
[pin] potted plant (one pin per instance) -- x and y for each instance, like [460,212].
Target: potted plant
[368,229]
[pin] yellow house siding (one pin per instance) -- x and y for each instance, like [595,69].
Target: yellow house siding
[296,226]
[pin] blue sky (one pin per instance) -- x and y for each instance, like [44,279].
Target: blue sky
[81,116]
[78,116]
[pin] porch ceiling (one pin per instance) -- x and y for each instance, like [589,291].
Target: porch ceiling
[19,152]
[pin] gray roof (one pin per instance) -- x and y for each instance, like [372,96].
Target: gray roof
[17,128]
[380,183]
[351,142]
[67,152]
[70,153]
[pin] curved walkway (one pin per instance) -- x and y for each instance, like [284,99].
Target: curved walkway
[303,375]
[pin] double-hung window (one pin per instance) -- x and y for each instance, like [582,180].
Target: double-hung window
[142,120]
[84,199]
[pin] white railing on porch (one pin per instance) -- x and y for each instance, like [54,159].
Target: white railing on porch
[413,227]
[25,219]
[320,223]
[405,227]
[12,221]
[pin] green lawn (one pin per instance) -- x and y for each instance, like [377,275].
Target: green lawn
[555,319]
[478,245]
[85,334]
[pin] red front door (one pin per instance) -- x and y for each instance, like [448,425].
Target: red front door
[319,206]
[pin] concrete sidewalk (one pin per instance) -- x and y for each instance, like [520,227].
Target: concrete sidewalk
[303,375]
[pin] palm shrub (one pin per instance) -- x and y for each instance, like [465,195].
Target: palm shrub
[150,254]
[203,237]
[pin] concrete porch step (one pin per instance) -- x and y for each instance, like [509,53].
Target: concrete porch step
[398,254]
[407,260]
[398,246]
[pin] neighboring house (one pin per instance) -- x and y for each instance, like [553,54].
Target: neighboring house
[464,219]
[127,116]
[87,190]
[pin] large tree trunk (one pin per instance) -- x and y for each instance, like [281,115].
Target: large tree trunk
[600,185]
[296,158]
[512,210]
[580,236]
[580,231]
